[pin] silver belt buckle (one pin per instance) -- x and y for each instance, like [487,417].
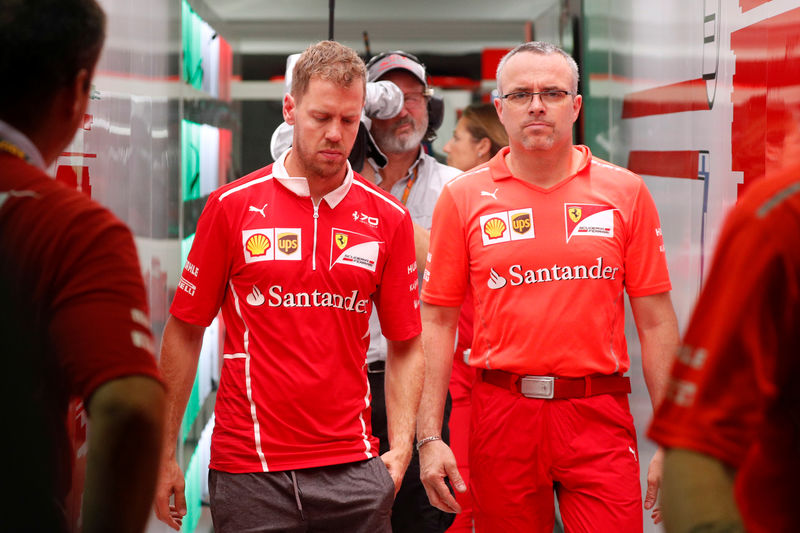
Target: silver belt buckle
[537,387]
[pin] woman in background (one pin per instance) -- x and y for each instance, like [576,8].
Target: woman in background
[478,136]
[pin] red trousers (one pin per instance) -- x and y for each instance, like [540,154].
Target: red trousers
[522,449]
[461,381]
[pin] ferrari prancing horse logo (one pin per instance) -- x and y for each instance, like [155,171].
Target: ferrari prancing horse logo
[575,213]
[341,240]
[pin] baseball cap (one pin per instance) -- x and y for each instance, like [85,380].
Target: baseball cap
[387,62]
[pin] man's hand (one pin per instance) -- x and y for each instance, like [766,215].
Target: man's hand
[654,473]
[396,461]
[170,482]
[437,462]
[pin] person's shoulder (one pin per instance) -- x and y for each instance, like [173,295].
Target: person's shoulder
[32,194]
[603,168]
[776,196]
[475,178]
[383,200]
[444,172]
[239,187]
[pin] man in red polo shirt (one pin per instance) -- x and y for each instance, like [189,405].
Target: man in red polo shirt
[548,238]
[730,416]
[296,255]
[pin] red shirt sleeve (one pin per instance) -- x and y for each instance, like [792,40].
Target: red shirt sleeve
[446,275]
[645,258]
[397,295]
[202,285]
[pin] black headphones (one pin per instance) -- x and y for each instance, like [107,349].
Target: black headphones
[435,103]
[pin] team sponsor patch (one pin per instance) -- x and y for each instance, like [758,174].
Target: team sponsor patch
[494,228]
[517,275]
[521,224]
[268,244]
[589,219]
[189,268]
[354,249]
[186,286]
[513,225]
[255,298]
[258,245]
[496,281]
[288,244]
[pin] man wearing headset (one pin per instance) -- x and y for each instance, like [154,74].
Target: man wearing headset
[415,178]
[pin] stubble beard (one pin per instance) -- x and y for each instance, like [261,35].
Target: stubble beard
[315,168]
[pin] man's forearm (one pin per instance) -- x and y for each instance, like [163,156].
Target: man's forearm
[659,338]
[422,243]
[438,339]
[404,374]
[180,350]
[698,494]
[125,435]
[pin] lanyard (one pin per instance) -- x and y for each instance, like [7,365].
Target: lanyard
[409,184]
[13,149]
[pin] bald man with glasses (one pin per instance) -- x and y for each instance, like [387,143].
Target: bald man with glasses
[548,238]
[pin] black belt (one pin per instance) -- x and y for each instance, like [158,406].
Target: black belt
[376,367]
[551,387]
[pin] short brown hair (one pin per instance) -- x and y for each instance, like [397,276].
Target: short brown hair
[327,60]
[482,121]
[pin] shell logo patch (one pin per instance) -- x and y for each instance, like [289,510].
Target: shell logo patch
[354,249]
[589,220]
[494,228]
[513,225]
[258,244]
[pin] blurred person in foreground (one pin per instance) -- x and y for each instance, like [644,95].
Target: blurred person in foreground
[731,417]
[477,137]
[296,255]
[548,238]
[73,310]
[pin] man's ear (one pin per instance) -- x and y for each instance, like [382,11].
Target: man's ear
[289,108]
[81,90]
[498,106]
[576,106]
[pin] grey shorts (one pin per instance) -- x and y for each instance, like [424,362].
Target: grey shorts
[353,497]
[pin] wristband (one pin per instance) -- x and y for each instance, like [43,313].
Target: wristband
[426,440]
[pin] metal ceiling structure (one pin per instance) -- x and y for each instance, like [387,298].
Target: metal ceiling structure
[454,26]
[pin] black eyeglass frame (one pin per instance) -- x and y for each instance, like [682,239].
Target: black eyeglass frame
[541,94]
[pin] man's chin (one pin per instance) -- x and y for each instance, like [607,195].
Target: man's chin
[329,169]
[403,143]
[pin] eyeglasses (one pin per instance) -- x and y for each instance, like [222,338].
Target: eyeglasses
[416,99]
[524,98]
